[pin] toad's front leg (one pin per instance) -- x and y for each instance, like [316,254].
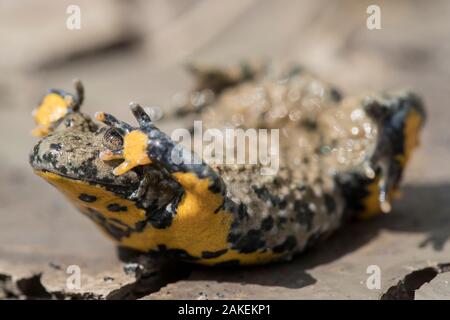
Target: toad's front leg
[145,145]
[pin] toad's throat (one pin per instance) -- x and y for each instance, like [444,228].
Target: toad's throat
[192,232]
[96,199]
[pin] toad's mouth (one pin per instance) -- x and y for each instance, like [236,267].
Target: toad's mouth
[61,181]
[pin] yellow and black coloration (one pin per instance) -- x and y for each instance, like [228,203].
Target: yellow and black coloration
[146,192]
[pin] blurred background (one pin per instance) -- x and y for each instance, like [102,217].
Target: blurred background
[136,51]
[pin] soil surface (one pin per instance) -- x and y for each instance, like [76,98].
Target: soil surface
[135,51]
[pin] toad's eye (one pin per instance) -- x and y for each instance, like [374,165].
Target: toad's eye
[112,140]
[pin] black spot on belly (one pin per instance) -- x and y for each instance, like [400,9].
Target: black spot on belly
[215,254]
[115,207]
[176,253]
[87,197]
[288,245]
[249,242]
[114,228]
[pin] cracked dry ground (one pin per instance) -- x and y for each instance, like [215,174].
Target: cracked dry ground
[120,60]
